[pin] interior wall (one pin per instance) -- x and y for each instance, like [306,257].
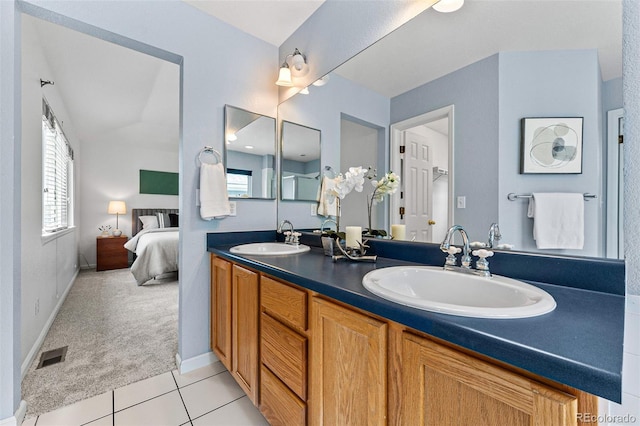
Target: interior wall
[212,75]
[323,109]
[549,84]
[473,90]
[48,267]
[359,147]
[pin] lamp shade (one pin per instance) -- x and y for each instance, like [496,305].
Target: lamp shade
[117,207]
[284,78]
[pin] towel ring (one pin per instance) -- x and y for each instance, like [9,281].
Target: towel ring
[209,150]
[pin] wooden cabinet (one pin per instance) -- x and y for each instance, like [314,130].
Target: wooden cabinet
[110,253]
[221,310]
[304,359]
[441,386]
[348,367]
[244,330]
[283,352]
[234,322]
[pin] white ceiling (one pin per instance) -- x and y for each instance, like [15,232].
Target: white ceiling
[270,20]
[434,44]
[108,88]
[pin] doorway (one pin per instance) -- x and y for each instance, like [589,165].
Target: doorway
[422,152]
[615,184]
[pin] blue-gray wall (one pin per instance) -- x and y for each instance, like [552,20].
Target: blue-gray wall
[549,84]
[473,90]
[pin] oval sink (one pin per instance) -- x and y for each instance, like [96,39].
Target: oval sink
[433,289]
[268,249]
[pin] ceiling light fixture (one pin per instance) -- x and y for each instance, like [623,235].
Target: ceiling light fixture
[232,137]
[294,64]
[446,6]
[321,81]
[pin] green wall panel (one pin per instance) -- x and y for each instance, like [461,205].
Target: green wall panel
[153,182]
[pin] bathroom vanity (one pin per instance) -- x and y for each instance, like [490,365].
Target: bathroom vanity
[310,345]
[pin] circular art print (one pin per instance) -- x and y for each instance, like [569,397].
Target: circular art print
[551,145]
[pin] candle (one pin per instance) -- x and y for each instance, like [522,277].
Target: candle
[398,232]
[354,235]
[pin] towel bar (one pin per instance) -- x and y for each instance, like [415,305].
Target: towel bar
[512,196]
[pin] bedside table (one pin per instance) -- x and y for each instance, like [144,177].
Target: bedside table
[110,253]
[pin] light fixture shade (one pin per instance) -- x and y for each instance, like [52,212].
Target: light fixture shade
[232,136]
[446,6]
[304,91]
[284,78]
[117,207]
[297,61]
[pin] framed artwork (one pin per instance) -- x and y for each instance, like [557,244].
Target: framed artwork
[551,145]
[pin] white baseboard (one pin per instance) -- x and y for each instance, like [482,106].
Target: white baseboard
[43,334]
[18,417]
[187,365]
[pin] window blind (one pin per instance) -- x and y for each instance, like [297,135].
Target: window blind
[56,174]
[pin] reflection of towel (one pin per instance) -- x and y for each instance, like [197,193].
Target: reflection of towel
[558,220]
[214,200]
[326,208]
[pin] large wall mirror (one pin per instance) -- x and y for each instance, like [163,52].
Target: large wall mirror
[250,152]
[299,162]
[488,65]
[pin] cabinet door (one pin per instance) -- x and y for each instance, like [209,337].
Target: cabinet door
[245,330]
[221,310]
[348,367]
[442,387]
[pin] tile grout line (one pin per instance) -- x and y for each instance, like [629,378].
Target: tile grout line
[223,405]
[181,398]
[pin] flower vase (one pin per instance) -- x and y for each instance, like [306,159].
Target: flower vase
[104,234]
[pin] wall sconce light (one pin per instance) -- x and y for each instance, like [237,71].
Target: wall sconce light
[231,137]
[304,91]
[117,208]
[446,6]
[295,63]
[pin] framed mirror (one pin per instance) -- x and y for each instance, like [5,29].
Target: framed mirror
[299,162]
[495,72]
[250,152]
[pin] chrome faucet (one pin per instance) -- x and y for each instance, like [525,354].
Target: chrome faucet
[447,248]
[482,265]
[326,221]
[494,235]
[290,236]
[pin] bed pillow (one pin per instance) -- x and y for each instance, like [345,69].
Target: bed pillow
[149,222]
[163,220]
[174,218]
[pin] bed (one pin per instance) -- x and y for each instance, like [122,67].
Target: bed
[154,248]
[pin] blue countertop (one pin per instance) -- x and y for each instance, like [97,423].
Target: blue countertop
[579,344]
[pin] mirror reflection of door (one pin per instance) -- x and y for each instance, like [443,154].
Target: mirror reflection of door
[300,162]
[426,177]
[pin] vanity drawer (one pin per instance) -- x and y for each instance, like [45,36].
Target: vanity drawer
[284,302]
[278,404]
[284,352]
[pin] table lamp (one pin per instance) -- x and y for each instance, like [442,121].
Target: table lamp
[117,208]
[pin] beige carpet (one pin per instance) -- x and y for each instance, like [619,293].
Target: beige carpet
[116,332]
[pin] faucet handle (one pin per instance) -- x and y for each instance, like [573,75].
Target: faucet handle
[482,253]
[452,250]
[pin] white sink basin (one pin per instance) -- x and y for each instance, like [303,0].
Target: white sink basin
[434,289]
[268,249]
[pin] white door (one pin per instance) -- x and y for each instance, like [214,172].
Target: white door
[615,184]
[418,178]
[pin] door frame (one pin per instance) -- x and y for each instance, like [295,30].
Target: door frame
[397,132]
[613,206]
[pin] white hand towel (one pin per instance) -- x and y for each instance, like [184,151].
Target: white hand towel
[214,200]
[326,208]
[558,220]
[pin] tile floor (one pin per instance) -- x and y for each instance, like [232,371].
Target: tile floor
[205,397]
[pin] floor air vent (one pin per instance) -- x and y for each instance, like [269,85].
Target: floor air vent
[51,357]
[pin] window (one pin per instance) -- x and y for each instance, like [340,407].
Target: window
[239,183]
[57,174]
